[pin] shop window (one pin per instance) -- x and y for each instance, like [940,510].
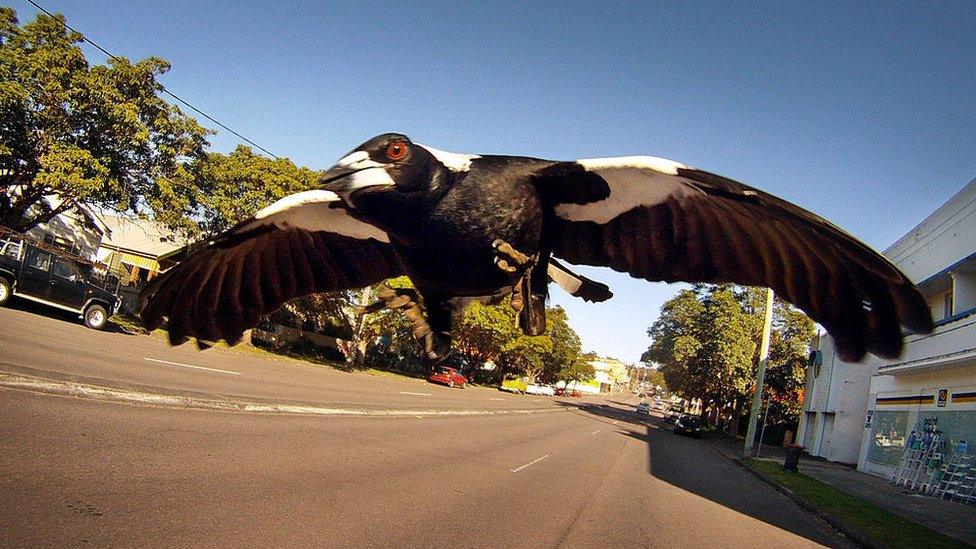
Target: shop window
[958,430]
[888,437]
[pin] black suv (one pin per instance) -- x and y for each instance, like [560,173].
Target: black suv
[45,274]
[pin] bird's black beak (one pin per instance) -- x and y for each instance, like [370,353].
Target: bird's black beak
[353,172]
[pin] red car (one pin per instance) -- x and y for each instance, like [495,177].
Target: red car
[448,376]
[563,392]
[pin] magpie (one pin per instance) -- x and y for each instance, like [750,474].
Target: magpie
[467,226]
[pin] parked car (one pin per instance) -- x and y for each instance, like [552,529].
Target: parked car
[688,424]
[540,389]
[48,275]
[562,391]
[643,408]
[674,412]
[447,376]
[513,385]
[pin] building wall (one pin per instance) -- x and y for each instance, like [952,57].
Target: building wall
[943,238]
[939,254]
[834,407]
[73,228]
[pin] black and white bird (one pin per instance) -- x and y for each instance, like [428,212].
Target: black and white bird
[482,226]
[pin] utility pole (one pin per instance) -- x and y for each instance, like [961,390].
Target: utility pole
[760,374]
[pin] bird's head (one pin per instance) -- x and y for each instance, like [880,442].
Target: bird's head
[386,163]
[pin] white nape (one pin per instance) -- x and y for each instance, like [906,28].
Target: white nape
[457,162]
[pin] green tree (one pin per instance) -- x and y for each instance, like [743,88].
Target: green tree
[490,332]
[706,342]
[234,186]
[98,135]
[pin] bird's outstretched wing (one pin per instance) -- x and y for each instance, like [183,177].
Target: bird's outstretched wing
[660,220]
[302,244]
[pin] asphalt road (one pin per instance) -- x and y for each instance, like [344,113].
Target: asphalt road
[397,462]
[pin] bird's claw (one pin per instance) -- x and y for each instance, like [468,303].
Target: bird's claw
[508,258]
[503,265]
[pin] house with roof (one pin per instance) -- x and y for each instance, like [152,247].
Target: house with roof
[867,413]
[134,246]
[78,230]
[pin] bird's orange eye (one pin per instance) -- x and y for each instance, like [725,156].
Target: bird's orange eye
[396,150]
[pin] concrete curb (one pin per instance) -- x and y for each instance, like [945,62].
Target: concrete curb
[847,532]
[225,404]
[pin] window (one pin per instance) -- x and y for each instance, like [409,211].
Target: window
[12,249]
[38,259]
[64,269]
[888,437]
[957,427]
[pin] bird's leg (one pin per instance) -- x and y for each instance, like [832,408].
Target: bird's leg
[532,315]
[409,300]
[532,319]
[437,342]
[391,298]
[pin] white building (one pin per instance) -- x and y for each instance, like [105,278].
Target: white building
[865,412]
[78,230]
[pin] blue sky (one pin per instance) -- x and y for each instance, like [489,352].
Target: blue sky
[864,113]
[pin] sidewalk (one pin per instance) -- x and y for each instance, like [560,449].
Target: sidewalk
[953,519]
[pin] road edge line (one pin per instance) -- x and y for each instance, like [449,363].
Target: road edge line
[109,394]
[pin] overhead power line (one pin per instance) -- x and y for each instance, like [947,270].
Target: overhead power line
[163,88]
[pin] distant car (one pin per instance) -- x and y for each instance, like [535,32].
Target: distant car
[688,424]
[540,389]
[513,385]
[448,376]
[643,408]
[674,412]
[561,391]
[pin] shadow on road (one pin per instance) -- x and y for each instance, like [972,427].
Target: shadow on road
[693,466]
[32,307]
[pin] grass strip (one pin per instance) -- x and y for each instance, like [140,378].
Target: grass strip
[878,526]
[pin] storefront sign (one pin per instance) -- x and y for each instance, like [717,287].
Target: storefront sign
[943,397]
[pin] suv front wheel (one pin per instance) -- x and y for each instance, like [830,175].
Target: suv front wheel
[4,291]
[96,317]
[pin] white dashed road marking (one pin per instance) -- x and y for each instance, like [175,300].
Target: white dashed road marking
[595,432]
[418,394]
[192,366]
[517,469]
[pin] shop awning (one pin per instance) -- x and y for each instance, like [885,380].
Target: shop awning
[138,261]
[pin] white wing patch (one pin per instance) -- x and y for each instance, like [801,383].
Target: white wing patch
[634,181]
[456,162]
[310,210]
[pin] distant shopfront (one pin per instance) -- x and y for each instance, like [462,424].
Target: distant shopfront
[902,415]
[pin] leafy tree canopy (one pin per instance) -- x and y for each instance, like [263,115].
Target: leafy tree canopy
[706,342]
[99,135]
[490,332]
[234,186]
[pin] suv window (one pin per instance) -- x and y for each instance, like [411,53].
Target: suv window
[39,259]
[65,269]
[12,249]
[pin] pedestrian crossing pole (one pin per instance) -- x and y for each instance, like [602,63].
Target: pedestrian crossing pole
[760,374]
